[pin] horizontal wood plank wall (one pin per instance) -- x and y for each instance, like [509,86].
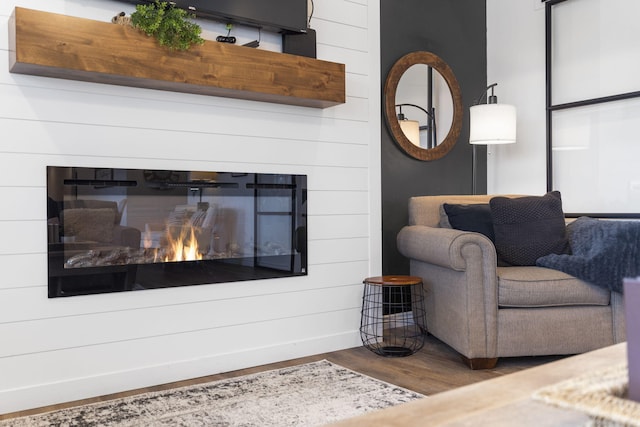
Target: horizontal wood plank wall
[56,350]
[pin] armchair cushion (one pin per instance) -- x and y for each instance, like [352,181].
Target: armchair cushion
[527,228]
[543,287]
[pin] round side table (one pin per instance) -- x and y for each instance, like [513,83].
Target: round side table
[393,315]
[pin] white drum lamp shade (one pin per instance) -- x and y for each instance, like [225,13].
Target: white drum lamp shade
[492,124]
[411,129]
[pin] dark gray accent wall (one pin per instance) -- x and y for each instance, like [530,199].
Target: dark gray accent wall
[455,30]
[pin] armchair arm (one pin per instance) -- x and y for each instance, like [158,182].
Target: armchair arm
[458,269]
[442,246]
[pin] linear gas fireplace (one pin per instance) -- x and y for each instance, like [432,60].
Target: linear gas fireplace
[112,230]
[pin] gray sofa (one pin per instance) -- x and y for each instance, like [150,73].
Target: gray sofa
[485,312]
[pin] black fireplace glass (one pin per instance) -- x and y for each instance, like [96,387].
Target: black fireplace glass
[113,230]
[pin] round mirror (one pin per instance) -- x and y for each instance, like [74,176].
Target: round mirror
[423,105]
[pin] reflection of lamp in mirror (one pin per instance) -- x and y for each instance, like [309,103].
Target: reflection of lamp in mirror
[490,123]
[412,128]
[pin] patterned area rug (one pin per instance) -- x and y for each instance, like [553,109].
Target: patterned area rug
[312,394]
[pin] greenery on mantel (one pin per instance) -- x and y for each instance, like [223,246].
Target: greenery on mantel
[167,23]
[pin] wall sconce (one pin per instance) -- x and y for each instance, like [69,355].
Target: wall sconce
[412,128]
[490,123]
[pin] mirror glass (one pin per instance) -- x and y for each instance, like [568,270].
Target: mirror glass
[423,105]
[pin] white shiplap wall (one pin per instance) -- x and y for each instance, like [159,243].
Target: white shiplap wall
[55,350]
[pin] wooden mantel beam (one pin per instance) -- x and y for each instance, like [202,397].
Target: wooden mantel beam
[53,45]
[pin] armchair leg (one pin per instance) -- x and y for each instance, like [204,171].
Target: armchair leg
[480,363]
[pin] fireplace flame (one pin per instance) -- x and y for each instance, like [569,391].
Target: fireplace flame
[184,247]
[147,240]
[175,247]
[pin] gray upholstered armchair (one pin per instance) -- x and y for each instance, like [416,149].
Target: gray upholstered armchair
[484,311]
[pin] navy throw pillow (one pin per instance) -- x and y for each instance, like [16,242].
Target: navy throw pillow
[476,217]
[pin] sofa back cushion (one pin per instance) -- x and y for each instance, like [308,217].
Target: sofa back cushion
[93,225]
[94,204]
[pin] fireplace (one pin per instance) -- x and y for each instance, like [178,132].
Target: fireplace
[113,230]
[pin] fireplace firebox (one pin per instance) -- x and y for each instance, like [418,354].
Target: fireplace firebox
[112,230]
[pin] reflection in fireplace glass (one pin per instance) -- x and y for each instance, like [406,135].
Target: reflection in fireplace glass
[113,230]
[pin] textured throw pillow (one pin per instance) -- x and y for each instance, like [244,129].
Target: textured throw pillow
[476,217]
[527,228]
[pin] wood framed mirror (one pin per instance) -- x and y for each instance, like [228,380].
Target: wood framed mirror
[423,84]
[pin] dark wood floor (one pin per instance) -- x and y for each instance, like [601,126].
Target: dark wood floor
[434,369]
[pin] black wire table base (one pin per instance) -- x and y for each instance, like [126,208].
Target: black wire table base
[393,315]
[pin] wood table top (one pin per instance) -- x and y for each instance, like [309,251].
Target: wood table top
[503,401]
[393,280]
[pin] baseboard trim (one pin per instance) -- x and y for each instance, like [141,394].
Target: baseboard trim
[39,395]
